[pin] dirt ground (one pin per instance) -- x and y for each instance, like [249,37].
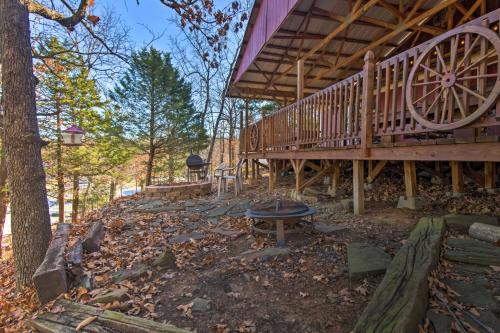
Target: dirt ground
[216,287]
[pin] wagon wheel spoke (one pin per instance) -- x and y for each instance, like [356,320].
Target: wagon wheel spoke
[431,70]
[425,83]
[471,92]
[478,62]
[453,52]
[459,103]
[474,77]
[438,96]
[443,110]
[426,95]
[440,57]
[468,52]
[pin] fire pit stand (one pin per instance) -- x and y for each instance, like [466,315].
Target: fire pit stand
[279,212]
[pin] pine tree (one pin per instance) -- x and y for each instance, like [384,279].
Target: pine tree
[156,101]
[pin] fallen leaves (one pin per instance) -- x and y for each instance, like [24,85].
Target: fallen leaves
[85,322]
[186,309]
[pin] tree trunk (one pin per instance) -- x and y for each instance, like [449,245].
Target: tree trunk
[149,166]
[4,196]
[112,189]
[76,198]
[60,172]
[85,195]
[171,168]
[31,232]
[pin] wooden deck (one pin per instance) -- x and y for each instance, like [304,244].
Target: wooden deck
[438,101]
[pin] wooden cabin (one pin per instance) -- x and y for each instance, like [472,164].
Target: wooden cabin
[371,81]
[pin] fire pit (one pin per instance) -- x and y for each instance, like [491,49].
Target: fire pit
[279,212]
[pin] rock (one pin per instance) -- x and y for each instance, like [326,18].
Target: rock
[169,230]
[192,225]
[440,322]
[213,220]
[166,260]
[435,180]
[347,204]
[219,211]
[200,304]
[366,260]
[488,318]
[267,252]
[110,297]
[86,282]
[473,294]
[227,232]
[130,274]
[184,238]
[329,228]
[368,186]
[201,209]
[463,222]
[410,203]
[312,191]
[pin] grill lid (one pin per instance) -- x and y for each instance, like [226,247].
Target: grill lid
[278,208]
[194,161]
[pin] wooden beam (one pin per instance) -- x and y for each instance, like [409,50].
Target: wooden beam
[298,168]
[358,192]
[410,179]
[300,79]
[335,182]
[318,176]
[457,177]
[272,174]
[489,175]
[367,103]
[474,152]
[375,172]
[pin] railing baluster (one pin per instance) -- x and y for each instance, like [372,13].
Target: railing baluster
[386,96]
[394,94]
[402,123]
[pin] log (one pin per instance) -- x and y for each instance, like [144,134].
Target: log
[106,321]
[485,232]
[50,278]
[471,251]
[400,302]
[74,259]
[94,237]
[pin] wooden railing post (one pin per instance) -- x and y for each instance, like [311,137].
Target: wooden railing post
[367,103]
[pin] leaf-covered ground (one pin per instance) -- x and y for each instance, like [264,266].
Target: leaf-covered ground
[215,285]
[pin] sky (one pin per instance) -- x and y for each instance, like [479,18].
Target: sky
[150,13]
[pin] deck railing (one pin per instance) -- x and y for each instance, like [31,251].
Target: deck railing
[436,89]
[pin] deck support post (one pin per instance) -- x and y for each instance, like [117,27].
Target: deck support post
[272,174]
[358,191]
[298,168]
[410,200]
[457,178]
[367,103]
[489,176]
[253,170]
[335,181]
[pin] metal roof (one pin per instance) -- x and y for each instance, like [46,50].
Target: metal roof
[282,31]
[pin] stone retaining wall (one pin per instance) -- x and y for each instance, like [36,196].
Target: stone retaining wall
[178,191]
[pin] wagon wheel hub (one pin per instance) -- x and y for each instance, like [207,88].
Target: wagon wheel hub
[448,80]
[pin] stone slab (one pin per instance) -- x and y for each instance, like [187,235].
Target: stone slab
[185,238]
[227,232]
[200,304]
[109,297]
[463,222]
[130,274]
[473,294]
[166,260]
[364,260]
[440,322]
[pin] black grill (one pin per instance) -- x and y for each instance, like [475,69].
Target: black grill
[195,162]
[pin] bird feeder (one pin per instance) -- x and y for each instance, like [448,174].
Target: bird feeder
[72,136]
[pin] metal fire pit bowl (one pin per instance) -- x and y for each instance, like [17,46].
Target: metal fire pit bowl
[280,212]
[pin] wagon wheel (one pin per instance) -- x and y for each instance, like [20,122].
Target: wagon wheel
[254,137]
[456,79]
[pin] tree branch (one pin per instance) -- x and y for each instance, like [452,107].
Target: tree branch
[67,21]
